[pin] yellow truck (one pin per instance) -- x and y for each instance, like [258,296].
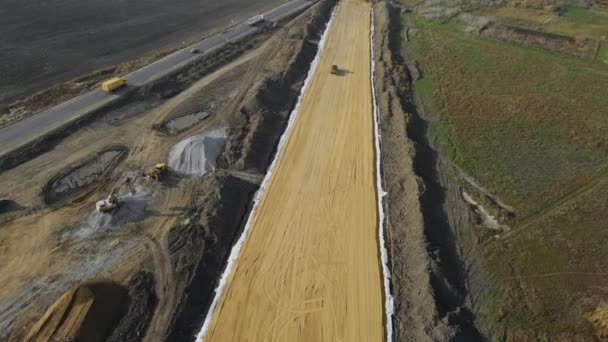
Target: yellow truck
[113,84]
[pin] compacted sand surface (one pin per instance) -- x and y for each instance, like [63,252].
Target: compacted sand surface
[309,269]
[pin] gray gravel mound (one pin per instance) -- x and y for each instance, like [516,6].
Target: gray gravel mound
[197,155]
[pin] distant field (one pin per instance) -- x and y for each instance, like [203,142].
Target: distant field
[47,42]
[531,126]
[575,21]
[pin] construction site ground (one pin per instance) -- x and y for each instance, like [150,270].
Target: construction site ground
[309,268]
[307,264]
[51,250]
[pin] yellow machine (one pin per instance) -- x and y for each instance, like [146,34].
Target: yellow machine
[158,171]
[113,84]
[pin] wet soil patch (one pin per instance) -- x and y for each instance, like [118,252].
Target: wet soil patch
[77,179]
[137,309]
[182,123]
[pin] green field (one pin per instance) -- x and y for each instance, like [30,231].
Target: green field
[532,127]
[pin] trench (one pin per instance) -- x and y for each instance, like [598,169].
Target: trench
[448,272]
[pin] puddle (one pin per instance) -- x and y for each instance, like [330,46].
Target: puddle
[184,122]
[80,177]
[197,155]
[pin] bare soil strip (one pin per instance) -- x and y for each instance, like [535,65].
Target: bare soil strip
[309,269]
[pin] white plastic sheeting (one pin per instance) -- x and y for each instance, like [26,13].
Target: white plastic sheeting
[386,272]
[196,155]
[237,247]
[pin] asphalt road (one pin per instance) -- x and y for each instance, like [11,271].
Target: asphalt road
[30,129]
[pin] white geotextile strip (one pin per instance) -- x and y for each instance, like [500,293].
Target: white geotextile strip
[388,298]
[237,247]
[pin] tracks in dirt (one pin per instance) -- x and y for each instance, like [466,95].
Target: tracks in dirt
[313,232]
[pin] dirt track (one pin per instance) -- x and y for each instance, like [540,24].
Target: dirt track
[309,268]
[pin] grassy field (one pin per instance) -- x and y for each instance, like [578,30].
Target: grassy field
[531,126]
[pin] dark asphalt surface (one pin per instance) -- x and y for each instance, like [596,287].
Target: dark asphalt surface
[27,130]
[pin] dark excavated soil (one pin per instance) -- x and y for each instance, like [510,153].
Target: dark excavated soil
[199,249]
[137,309]
[48,42]
[432,246]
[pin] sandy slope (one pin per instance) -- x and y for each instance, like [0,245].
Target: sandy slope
[309,269]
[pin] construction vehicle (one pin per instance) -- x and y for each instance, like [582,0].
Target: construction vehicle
[335,70]
[109,204]
[113,84]
[158,172]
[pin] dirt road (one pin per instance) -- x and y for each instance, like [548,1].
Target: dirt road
[309,268]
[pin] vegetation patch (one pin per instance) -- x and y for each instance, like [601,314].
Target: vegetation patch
[530,126]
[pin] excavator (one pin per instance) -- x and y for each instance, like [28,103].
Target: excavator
[109,204]
[158,172]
